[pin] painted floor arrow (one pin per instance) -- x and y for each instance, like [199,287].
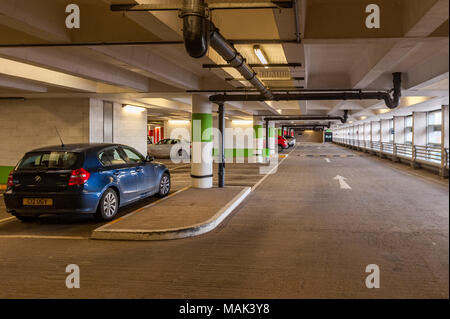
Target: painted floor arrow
[342,182]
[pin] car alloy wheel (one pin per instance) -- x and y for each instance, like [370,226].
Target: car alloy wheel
[164,185]
[109,205]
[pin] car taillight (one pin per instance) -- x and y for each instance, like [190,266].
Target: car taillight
[79,177]
[10,180]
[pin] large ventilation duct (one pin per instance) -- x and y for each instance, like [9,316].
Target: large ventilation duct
[198,33]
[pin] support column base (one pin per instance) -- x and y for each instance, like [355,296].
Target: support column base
[202,182]
[443,172]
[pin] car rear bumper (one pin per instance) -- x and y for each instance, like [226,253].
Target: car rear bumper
[63,203]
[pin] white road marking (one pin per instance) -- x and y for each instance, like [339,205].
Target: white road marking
[327,160]
[342,182]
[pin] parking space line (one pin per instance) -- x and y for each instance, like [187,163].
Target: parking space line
[7,219]
[42,237]
[270,173]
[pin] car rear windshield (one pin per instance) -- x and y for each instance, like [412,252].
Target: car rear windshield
[50,160]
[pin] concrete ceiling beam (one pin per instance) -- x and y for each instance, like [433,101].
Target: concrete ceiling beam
[19,84]
[43,19]
[78,65]
[148,63]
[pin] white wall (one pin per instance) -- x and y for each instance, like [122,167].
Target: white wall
[130,128]
[29,124]
[172,129]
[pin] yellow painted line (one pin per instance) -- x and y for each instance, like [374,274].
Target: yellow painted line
[42,237]
[7,219]
[114,221]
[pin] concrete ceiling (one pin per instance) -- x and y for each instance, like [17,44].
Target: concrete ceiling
[336,51]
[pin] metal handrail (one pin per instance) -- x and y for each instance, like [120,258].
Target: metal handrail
[387,147]
[404,150]
[427,154]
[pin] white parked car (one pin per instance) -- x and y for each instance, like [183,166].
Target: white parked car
[170,148]
[291,140]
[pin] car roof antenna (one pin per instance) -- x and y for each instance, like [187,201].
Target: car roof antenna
[62,143]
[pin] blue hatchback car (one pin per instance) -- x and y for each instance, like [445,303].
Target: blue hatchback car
[82,178]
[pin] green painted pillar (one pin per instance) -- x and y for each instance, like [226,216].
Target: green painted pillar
[202,142]
[258,141]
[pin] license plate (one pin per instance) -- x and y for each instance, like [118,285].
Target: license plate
[37,202]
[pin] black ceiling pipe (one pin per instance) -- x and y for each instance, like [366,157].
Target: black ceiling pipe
[390,101]
[343,119]
[195,27]
[199,33]
[295,126]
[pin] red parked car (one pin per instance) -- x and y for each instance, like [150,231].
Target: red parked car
[282,144]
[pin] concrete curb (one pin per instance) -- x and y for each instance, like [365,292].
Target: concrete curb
[174,233]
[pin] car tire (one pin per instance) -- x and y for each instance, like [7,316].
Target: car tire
[108,206]
[27,219]
[280,149]
[164,185]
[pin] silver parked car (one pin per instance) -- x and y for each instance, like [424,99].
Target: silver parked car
[170,148]
[291,140]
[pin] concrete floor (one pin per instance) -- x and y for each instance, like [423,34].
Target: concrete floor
[299,235]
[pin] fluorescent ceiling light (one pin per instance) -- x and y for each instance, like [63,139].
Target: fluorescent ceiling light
[179,121]
[241,122]
[260,54]
[133,109]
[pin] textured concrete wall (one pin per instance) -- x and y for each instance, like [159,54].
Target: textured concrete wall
[130,128]
[95,121]
[309,136]
[26,125]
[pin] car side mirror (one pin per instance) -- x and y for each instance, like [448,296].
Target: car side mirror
[149,158]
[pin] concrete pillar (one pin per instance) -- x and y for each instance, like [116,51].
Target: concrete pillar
[445,141]
[375,131]
[384,134]
[420,128]
[258,139]
[399,129]
[385,131]
[361,135]
[367,134]
[419,134]
[202,142]
[399,135]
